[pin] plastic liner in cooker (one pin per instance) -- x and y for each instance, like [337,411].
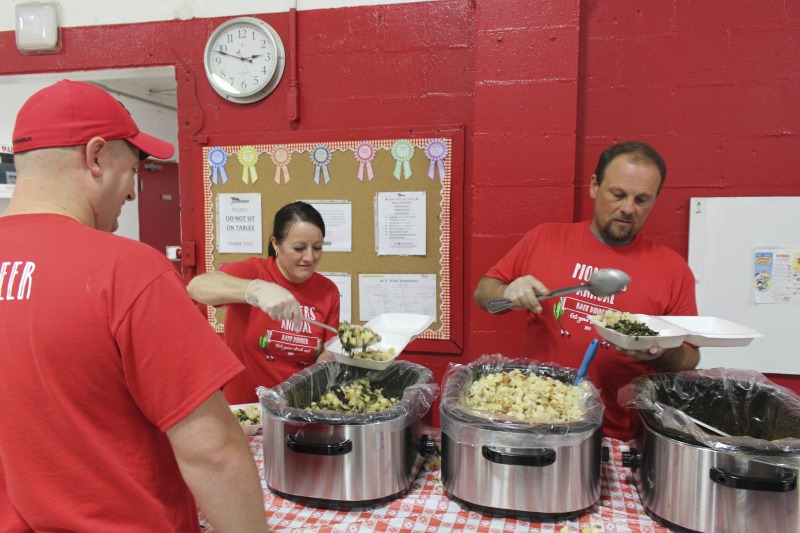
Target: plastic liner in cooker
[411,383]
[469,426]
[762,418]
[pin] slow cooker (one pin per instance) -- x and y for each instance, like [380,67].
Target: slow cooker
[497,465]
[694,479]
[340,459]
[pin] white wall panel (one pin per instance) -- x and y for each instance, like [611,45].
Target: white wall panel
[82,13]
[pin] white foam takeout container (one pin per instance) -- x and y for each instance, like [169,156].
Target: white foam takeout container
[711,331]
[669,335]
[397,330]
[675,330]
[407,324]
[252,429]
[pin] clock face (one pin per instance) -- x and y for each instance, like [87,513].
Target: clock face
[244,59]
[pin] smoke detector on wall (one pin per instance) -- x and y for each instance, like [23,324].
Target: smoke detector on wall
[37,28]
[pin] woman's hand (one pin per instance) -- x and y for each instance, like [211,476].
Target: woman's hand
[277,302]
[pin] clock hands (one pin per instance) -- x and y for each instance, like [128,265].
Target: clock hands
[231,55]
[249,59]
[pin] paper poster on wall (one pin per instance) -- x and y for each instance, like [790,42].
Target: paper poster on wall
[338,218]
[396,293]
[776,275]
[344,282]
[400,225]
[239,223]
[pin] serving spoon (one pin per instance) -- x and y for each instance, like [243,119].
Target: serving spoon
[602,283]
[347,348]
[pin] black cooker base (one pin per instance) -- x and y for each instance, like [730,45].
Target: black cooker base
[337,505]
[525,515]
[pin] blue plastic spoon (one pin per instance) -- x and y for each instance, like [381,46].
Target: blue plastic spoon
[587,359]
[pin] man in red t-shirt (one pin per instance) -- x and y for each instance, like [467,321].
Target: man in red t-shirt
[624,187]
[113,418]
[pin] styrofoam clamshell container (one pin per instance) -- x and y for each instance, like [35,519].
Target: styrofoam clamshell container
[396,331]
[398,342]
[250,429]
[406,324]
[669,335]
[711,331]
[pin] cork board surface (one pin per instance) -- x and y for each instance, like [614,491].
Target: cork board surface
[349,171]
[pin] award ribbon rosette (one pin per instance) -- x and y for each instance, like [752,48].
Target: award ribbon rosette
[365,153]
[280,157]
[321,156]
[402,151]
[436,151]
[248,157]
[217,157]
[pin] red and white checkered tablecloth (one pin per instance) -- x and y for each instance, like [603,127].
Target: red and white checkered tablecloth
[426,508]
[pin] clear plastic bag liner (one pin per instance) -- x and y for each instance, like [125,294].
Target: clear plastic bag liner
[469,426]
[762,418]
[411,383]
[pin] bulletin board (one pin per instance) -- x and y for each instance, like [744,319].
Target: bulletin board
[357,172]
[725,236]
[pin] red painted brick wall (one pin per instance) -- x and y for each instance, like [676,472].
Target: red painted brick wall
[542,86]
[712,84]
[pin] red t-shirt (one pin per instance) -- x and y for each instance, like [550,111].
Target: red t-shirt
[102,352]
[271,349]
[562,255]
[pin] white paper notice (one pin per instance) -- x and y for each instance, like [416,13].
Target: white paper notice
[396,293]
[239,223]
[776,275]
[400,223]
[338,218]
[344,282]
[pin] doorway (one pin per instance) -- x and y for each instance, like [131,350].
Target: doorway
[159,206]
[149,93]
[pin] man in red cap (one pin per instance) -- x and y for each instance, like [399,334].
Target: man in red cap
[112,417]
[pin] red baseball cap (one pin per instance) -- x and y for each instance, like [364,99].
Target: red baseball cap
[71,113]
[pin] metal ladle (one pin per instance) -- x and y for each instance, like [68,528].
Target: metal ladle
[348,349]
[602,283]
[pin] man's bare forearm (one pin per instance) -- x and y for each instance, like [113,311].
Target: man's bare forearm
[489,289]
[683,357]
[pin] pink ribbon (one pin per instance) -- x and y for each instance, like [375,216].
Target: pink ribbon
[364,154]
[280,157]
[436,152]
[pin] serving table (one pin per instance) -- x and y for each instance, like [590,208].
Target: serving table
[426,508]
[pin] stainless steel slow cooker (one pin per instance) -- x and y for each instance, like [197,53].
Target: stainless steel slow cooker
[500,466]
[341,459]
[691,479]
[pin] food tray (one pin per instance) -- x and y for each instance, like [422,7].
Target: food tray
[669,335]
[405,324]
[250,429]
[398,342]
[711,331]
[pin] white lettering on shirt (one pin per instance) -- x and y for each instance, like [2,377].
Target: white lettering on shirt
[16,285]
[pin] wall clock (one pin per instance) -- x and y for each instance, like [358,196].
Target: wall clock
[244,59]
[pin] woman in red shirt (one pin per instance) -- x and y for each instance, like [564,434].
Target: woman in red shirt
[267,299]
